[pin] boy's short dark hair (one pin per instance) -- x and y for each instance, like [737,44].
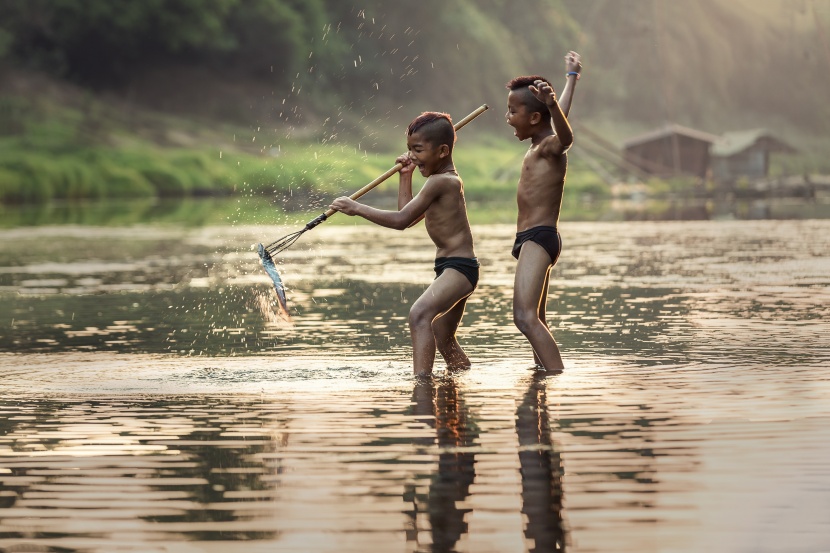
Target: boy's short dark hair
[436,127]
[527,98]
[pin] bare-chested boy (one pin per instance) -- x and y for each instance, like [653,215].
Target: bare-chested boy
[534,113]
[435,316]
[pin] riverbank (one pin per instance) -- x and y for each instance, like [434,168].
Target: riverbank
[75,147]
[51,151]
[62,143]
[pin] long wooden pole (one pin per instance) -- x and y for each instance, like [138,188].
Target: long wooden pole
[481,109]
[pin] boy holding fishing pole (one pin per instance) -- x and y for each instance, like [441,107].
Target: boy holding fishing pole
[534,112]
[436,315]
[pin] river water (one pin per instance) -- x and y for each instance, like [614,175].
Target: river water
[152,400]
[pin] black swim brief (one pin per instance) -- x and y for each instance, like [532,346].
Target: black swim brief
[467,266]
[547,237]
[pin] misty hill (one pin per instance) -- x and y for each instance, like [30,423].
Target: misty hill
[344,67]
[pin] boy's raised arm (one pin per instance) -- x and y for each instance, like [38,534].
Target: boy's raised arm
[573,68]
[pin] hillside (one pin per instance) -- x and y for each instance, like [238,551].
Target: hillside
[700,63]
[179,75]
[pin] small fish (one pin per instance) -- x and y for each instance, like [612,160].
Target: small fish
[271,268]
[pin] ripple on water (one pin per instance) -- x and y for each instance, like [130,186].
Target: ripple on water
[496,455]
[148,404]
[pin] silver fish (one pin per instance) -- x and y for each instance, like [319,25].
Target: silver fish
[271,268]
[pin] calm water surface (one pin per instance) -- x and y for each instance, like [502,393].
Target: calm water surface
[152,400]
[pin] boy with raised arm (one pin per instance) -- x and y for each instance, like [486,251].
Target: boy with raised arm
[534,112]
[435,316]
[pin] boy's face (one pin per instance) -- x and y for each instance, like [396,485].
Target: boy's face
[518,115]
[428,157]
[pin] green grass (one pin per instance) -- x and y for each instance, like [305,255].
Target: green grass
[93,151]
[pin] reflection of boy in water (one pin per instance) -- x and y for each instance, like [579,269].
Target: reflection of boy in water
[435,316]
[541,469]
[534,113]
[443,407]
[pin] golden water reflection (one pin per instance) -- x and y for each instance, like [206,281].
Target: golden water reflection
[148,403]
[601,458]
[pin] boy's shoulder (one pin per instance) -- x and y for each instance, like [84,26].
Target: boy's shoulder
[549,148]
[443,181]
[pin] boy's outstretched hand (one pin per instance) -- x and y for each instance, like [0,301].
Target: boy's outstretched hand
[345,204]
[573,63]
[544,92]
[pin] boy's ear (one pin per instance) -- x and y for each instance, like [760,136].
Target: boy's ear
[443,150]
[535,118]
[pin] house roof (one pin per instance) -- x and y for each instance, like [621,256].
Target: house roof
[732,143]
[670,130]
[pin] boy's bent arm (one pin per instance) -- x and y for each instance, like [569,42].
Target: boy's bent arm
[405,180]
[405,188]
[564,133]
[563,136]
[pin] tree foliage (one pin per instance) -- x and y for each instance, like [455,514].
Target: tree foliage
[101,43]
[699,63]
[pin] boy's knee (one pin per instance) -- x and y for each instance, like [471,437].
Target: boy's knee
[418,316]
[524,319]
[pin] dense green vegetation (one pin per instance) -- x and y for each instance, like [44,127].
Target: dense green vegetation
[67,154]
[103,99]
